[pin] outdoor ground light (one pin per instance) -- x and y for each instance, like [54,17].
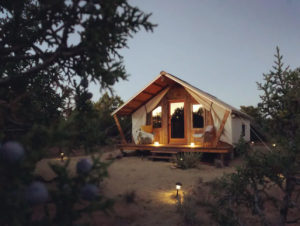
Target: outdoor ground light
[192,144]
[178,186]
[62,155]
[156,143]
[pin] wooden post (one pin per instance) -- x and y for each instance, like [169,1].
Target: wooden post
[120,129]
[221,129]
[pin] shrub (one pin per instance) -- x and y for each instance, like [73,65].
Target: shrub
[187,160]
[186,207]
[130,196]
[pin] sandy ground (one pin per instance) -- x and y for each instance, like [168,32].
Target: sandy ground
[154,183]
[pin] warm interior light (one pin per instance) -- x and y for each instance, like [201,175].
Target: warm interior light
[274,145]
[192,144]
[156,143]
[252,142]
[61,154]
[178,187]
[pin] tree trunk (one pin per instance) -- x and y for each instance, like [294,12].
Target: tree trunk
[289,188]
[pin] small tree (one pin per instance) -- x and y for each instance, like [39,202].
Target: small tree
[45,48]
[250,187]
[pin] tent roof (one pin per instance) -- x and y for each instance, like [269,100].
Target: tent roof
[157,85]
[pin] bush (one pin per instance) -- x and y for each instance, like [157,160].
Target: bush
[186,207]
[130,196]
[187,160]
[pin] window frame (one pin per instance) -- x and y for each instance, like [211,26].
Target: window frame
[160,117]
[193,117]
[243,130]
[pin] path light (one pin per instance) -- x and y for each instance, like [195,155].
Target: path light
[192,144]
[178,186]
[274,145]
[62,155]
[156,143]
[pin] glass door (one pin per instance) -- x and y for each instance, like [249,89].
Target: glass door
[177,122]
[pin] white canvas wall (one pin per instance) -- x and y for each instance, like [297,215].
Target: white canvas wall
[237,123]
[140,116]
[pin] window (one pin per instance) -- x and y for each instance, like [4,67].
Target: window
[156,117]
[198,116]
[243,130]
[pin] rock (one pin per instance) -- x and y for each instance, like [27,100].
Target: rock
[119,157]
[110,157]
[218,163]
[200,180]
[84,166]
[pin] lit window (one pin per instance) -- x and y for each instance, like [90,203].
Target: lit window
[198,113]
[156,117]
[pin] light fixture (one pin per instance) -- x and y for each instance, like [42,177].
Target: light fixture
[62,155]
[178,186]
[233,115]
[274,145]
[156,143]
[192,144]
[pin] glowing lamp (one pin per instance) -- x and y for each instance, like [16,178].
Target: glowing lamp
[252,142]
[62,155]
[274,145]
[192,144]
[156,143]
[178,186]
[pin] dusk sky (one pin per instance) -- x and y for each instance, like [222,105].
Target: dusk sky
[219,46]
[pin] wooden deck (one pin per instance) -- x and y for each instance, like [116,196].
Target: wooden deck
[176,147]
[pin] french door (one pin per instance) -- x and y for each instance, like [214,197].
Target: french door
[177,122]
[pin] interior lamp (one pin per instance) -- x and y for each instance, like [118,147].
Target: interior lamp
[274,145]
[178,186]
[192,144]
[156,143]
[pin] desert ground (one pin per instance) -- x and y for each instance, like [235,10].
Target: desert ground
[154,184]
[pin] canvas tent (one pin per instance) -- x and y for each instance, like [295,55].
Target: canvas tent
[148,98]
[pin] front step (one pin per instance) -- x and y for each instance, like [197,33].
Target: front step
[162,151]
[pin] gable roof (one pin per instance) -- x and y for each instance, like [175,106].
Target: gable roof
[156,85]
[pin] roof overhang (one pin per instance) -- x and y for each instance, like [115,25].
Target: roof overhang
[162,81]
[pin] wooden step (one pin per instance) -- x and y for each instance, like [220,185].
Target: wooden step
[164,151]
[159,157]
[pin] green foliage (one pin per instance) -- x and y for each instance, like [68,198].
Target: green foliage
[41,104]
[254,112]
[267,180]
[242,146]
[187,160]
[106,122]
[186,207]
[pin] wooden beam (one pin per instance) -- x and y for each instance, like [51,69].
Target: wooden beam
[139,101]
[120,129]
[158,85]
[221,129]
[151,94]
[129,108]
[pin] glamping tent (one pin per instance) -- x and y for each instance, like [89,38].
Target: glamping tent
[171,113]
